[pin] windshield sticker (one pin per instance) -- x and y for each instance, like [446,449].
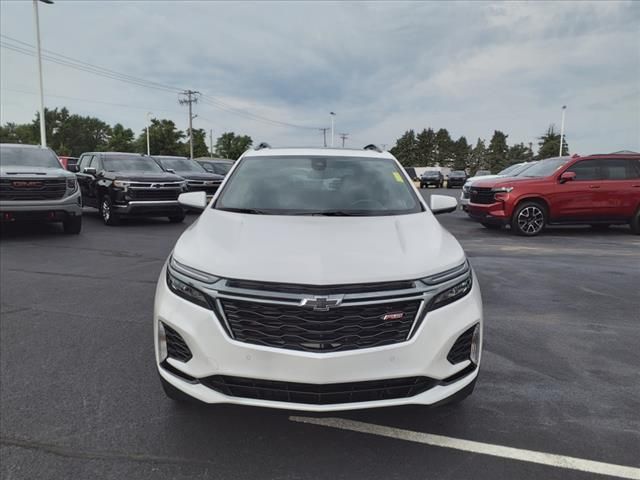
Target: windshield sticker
[398,177]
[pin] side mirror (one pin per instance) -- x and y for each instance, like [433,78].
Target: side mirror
[567,177]
[73,168]
[197,200]
[89,170]
[442,204]
[170,170]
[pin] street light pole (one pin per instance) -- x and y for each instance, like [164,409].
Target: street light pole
[332,116]
[148,145]
[43,131]
[564,109]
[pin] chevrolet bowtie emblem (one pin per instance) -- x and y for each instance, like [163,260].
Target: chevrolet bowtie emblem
[321,304]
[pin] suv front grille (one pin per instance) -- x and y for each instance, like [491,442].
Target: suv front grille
[154,193]
[482,195]
[321,290]
[296,327]
[32,189]
[319,394]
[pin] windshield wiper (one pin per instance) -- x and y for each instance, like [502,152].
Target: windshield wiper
[252,211]
[335,213]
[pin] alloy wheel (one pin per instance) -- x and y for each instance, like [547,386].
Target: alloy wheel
[531,220]
[106,210]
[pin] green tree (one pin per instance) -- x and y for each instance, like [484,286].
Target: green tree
[230,145]
[426,148]
[549,144]
[519,153]
[121,139]
[405,149]
[477,158]
[461,152]
[17,133]
[444,147]
[497,153]
[164,138]
[200,148]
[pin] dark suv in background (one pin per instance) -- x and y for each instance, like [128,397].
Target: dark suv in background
[198,179]
[457,178]
[431,177]
[596,190]
[128,184]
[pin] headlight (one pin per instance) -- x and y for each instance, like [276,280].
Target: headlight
[181,280]
[460,281]
[452,294]
[121,184]
[502,189]
[72,184]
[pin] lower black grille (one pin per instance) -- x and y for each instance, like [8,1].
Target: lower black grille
[313,394]
[482,195]
[461,350]
[155,194]
[176,346]
[32,189]
[300,328]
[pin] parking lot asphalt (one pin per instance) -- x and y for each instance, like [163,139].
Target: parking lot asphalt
[80,397]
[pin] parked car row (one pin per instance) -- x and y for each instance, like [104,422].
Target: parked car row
[596,190]
[35,186]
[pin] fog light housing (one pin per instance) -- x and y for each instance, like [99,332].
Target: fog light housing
[474,354]
[162,343]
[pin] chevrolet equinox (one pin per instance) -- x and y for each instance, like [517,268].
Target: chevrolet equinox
[319,280]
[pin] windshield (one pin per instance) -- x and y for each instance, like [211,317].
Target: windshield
[180,164]
[431,174]
[457,173]
[131,163]
[28,157]
[480,173]
[340,186]
[220,168]
[544,168]
[510,169]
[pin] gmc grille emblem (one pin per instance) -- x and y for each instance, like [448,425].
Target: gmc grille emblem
[26,184]
[321,304]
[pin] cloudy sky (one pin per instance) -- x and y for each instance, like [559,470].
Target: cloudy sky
[382,67]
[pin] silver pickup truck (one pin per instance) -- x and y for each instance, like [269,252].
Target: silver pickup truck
[35,187]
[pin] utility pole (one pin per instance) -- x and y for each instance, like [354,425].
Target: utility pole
[564,109]
[148,145]
[324,135]
[343,136]
[332,136]
[191,98]
[211,143]
[43,130]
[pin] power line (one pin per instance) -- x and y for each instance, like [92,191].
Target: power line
[114,75]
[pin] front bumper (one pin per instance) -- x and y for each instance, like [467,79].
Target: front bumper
[215,353]
[493,213]
[52,210]
[158,208]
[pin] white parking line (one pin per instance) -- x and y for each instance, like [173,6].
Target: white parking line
[552,460]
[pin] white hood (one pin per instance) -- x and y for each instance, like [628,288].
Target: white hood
[318,250]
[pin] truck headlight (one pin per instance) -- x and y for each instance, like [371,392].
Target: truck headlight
[502,189]
[121,184]
[72,184]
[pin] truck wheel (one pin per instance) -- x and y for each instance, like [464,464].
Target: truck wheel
[109,217]
[72,225]
[635,223]
[177,218]
[529,219]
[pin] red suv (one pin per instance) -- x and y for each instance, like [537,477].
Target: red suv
[597,190]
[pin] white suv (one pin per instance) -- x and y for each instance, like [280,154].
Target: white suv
[318,279]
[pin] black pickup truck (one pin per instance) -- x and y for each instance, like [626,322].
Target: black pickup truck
[198,179]
[128,184]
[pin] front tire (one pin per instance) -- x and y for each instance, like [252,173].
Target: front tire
[109,217]
[177,218]
[635,223]
[72,225]
[529,219]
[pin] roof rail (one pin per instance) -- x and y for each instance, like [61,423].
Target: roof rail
[263,145]
[373,147]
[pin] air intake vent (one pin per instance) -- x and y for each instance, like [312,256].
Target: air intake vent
[461,350]
[176,346]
